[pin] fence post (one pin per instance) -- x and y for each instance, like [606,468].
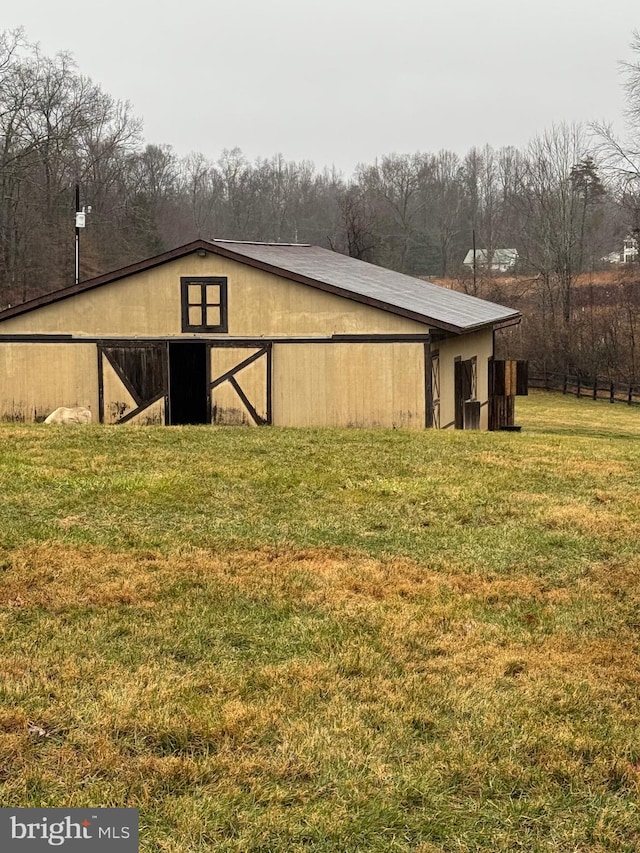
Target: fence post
[595,388]
[612,394]
[578,388]
[564,384]
[630,397]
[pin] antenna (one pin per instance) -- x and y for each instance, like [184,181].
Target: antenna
[475,287]
[81,221]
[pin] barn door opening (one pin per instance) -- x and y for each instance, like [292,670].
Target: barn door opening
[188,383]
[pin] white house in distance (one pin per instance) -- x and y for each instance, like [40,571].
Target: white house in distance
[629,249]
[502,260]
[628,255]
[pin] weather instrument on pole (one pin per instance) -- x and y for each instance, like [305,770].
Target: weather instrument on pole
[81,221]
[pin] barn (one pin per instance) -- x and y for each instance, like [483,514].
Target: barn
[253,333]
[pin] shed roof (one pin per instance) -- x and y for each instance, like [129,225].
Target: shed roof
[326,270]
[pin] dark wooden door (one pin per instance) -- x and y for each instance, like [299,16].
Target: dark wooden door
[132,377]
[432,370]
[465,381]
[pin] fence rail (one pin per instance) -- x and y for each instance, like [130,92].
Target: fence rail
[585,386]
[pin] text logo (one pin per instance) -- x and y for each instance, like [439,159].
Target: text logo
[72,830]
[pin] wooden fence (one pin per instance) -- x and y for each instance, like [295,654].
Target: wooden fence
[584,386]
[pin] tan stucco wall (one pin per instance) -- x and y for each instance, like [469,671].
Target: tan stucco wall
[260,305]
[360,385]
[37,378]
[478,344]
[346,384]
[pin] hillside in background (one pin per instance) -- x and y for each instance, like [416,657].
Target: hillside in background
[599,337]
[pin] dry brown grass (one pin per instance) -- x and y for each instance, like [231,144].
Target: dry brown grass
[596,277]
[478,622]
[459,673]
[404,683]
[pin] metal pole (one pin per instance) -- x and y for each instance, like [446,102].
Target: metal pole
[474,261]
[77,235]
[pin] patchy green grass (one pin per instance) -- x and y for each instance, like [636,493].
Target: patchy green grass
[328,640]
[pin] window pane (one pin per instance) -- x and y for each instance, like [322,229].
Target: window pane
[213,294]
[213,315]
[194,294]
[195,315]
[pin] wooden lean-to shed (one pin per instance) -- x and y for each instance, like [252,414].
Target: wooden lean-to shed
[253,333]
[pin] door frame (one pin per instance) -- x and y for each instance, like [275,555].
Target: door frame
[264,349]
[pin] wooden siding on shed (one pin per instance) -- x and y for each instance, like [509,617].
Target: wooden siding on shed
[350,384]
[480,345]
[362,384]
[37,378]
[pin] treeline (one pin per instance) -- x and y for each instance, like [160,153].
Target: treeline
[562,203]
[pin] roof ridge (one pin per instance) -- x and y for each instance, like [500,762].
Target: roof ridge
[259,243]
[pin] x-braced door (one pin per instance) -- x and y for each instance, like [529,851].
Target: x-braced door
[465,387]
[241,384]
[132,382]
[432,368]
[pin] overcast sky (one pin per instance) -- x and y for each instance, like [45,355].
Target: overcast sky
[343,81]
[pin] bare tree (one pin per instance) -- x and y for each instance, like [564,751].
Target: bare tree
[57,128]
[443,192]
[359,223]
[393,185]
[620,156]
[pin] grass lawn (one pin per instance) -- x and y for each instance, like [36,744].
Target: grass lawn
[328,640]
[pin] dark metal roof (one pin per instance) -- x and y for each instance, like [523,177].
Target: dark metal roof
[422,300]
[326,270]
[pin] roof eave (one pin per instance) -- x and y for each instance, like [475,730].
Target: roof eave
[513,320]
